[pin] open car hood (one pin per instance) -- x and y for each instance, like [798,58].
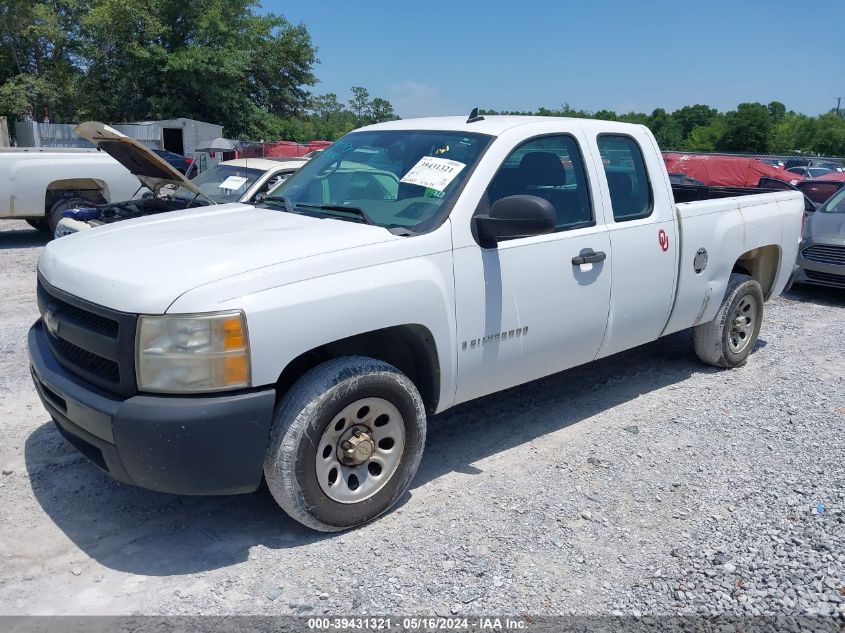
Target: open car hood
[152,171]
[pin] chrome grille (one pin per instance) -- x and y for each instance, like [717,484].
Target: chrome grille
[89,340]
[825,254]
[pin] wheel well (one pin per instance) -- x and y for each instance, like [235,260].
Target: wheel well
[409,348]
[88,188]
[761,264]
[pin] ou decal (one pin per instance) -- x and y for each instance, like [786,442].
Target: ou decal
[663,239]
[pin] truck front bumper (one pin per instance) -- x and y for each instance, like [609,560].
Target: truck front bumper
[193,445]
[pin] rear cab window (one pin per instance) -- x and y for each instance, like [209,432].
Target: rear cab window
[631,195]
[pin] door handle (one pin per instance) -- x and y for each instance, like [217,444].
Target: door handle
[589,257]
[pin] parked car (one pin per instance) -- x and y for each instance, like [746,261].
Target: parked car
[827,164]
[810,172]
[181,163]
[821,256]
[40,184]
[412,266]
[240,180]
[724,171]
[820,190]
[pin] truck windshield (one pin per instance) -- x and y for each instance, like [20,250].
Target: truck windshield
[395,178]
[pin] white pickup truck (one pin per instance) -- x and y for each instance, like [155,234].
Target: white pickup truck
[411,266]
[40,184]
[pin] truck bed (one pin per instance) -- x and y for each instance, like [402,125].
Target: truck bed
[718,227]
[693,193]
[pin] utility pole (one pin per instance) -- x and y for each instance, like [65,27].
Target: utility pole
[838,103]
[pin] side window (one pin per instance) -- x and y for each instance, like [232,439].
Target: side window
[627,178]
[549,167]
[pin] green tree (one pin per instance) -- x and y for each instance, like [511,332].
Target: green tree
[784,137]
[381,110]
[746,129]
[359,103]
[704,138]
[605,115]
[829,135]
[39,49]
[640,118]
[665,129]
[214,60]
[325,106]
[690,117]
[776,111]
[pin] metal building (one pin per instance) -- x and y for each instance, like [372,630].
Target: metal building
[181,135]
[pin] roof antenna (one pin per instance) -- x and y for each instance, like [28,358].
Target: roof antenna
[473,116]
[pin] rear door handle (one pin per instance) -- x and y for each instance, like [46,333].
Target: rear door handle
[589,257]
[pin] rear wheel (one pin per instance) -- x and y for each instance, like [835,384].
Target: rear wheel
[40,224]
[728,339]
[346,441]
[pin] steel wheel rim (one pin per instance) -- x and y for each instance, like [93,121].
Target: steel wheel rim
[346,479]
[743,322]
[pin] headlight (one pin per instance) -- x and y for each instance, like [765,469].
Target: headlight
[63,229]
[192,353]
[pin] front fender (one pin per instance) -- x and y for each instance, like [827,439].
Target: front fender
[289,319]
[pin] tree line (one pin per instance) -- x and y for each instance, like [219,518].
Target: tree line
[752,128]
[225,62]
[220,61]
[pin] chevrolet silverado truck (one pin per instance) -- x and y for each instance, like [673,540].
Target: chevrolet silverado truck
[411,266]
[239,180]
[40,184]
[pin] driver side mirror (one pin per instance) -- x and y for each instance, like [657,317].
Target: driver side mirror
[260,197]
[515,216]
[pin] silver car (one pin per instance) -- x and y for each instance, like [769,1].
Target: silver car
[821,256]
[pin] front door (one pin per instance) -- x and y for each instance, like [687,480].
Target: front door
[525,309]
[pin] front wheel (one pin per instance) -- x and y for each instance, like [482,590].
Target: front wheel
[346,441]
[54,216]
[728,339]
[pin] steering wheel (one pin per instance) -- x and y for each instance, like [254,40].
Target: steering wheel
[330,169]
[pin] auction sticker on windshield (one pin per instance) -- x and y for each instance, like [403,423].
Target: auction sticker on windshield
[233,183]
[433,173]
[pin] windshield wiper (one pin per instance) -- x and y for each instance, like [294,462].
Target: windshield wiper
[360,213]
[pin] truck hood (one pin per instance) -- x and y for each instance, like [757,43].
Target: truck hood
[143,265]
[151,170]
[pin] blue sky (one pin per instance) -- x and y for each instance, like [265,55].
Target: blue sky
[432,58]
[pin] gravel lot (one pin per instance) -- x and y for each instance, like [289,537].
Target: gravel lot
[644,483]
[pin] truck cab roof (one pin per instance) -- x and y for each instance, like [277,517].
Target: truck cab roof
[495,125]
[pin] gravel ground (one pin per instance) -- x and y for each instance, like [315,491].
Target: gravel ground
[644,483]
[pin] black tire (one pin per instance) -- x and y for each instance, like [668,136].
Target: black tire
[40,224]
[304,414]
[719,343]
[54,216]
